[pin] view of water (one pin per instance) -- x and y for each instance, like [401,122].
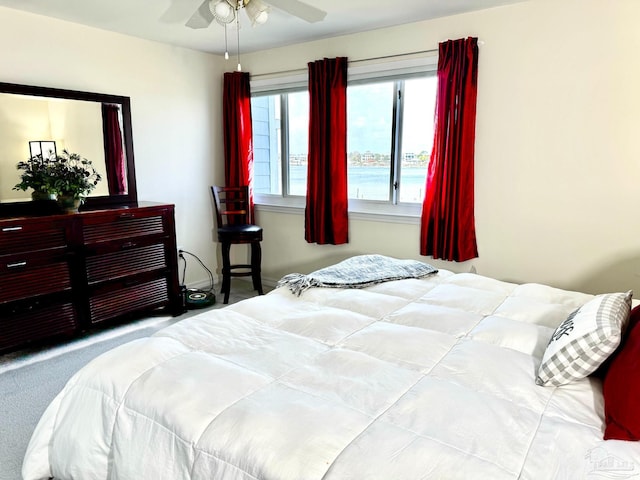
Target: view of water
[368,183]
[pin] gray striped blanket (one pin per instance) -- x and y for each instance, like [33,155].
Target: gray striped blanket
[358,272]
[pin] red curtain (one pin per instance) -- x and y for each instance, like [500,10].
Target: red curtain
[448,224]
[326,218]
[113,150]
[238,143]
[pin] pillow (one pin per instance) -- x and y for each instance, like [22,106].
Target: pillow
[585,339]
[621,387]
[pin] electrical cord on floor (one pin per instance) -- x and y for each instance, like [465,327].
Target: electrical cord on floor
[184,269]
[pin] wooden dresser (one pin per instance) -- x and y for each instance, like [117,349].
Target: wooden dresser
[62,274]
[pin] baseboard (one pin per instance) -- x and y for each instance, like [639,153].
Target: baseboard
[204,284]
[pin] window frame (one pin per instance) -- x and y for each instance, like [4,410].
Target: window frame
[370,71]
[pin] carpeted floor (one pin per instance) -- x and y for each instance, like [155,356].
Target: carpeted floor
[30,379]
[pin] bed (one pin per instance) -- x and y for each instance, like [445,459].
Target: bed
[435,377]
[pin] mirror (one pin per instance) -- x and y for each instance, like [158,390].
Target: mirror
[96,126]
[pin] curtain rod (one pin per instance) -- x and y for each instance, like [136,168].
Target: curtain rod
[383,57]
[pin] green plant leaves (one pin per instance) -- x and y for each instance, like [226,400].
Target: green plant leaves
[64,174]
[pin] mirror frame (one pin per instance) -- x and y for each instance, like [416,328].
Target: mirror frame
[105,200]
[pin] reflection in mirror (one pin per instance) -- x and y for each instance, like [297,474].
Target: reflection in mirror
[73,125]
[96,126]
[115,168]
[47,149]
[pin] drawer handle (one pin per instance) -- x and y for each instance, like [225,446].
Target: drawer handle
[17,264]
[127,245]
[25,308]
[11,229]
[124,216]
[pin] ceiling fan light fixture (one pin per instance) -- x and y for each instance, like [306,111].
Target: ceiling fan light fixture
[257,11]
[222,11]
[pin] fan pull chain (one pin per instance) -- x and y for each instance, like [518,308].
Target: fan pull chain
[238,31]
[226,43]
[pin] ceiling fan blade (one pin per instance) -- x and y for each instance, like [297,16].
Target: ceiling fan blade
[202,17]
[177,11]
[300,9]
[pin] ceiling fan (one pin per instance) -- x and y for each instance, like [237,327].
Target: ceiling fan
[226,11]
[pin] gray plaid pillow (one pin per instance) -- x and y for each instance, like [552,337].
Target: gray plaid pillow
[585,339]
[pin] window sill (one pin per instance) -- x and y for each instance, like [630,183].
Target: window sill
[358,210]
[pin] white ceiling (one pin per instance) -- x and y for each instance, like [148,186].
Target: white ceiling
[143,18]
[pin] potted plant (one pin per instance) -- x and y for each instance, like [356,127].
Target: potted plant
[72,178]
[67,178]
[36,174]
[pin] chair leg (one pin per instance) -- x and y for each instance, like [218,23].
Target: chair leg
[226,271]
[256,261]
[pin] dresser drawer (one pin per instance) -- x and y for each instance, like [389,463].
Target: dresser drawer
[125,262]
[123,225]
[120,245]
[66,273]
[26,235]
[33,276]
[35,322]
[113,303]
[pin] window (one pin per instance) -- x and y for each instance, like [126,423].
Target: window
[389,139]
[280,143]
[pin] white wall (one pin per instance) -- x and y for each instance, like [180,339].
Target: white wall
[175,102]
[557,156]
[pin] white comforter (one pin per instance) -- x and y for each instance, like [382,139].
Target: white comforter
[411,379]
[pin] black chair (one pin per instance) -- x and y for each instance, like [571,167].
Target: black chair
[235,226]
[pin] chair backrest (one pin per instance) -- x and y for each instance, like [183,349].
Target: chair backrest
[232,205]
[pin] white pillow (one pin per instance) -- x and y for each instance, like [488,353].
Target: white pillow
[585,339]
